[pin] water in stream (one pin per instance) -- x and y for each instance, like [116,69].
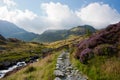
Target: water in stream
[4,72]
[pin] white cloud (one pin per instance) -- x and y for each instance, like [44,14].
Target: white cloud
[9,3]
[98,15]
[60,16]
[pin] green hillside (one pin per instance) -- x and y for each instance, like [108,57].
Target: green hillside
[56,35]
[13,50]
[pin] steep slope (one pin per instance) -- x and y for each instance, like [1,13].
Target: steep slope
[100,54]
[8,29]
[56,35]
[105,42]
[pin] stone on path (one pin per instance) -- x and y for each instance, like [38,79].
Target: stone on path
[58,73]
[64,69]
[57,78]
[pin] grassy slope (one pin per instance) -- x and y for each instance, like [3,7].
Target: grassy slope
[41,70]
[69,41]
[16,51]
[100,67]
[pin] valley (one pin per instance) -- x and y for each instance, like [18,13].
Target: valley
[90,56]
[60,40]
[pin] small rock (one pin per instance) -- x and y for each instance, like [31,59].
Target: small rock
[57,78]
[59,73]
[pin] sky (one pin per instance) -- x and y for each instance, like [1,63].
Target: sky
[40,15]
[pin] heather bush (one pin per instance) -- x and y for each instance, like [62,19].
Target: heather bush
[86,55]
[104,49]
[102,43]
[30,69]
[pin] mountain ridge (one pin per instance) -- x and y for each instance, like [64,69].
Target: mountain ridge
[10,30]
[56,35]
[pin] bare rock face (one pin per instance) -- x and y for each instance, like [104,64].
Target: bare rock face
[2,40]
[13,40]
[104,42]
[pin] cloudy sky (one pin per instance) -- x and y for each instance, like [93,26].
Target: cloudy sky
[40,15]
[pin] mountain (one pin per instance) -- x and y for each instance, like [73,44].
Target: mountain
[10,30]
[81,30]
[56,35]
[51,36]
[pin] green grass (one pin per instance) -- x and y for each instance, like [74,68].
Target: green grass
[99,68]
[20,50]
[69,41]
[41,70]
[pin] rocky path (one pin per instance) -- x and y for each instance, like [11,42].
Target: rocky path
[65,71]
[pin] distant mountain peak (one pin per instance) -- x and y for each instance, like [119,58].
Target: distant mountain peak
[10,30]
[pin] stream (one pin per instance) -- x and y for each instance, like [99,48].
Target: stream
[12,68]
[18,65]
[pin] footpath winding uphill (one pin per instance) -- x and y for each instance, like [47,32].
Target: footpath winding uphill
[65,71]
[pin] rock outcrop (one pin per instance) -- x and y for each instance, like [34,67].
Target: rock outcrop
[2,40]
[13,40]
[104,42]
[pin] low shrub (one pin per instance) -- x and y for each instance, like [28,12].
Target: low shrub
[30,69]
